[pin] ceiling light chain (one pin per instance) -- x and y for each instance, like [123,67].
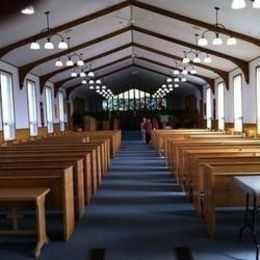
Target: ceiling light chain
[49,45]
[217,40]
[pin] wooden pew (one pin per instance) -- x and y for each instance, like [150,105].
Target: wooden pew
[58,179]
[219,190]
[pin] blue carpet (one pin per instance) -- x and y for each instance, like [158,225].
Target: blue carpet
[139,213]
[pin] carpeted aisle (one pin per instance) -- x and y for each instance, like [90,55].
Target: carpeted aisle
[139,213]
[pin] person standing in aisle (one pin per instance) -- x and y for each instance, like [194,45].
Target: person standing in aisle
[148,130]
[142,128]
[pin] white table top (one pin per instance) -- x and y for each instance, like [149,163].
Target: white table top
[249,184]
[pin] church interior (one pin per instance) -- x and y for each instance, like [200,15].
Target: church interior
[130,129]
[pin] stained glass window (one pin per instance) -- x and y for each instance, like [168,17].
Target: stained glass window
[134,99]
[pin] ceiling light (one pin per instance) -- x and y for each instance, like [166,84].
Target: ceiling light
[80,63]
[176,72]
[176,85]
[91,74]
[35,46]
[84,82]
[238,4]
[176,80]
[91,81]
[49,45]
[183,79]
[97,87]
[217,40]
[170,86]
[58,63]
[256,4]
[73,74]
[193,71]
[91,87]
[184,72]
[164,86]
[98,81]
[82,74]
[208,59]
[196,59]
[28,10]
[185,59]
[169,80]
[104,87]
[69,63]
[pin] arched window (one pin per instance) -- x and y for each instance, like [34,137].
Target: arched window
[134,99]
[238,119]
[221,108]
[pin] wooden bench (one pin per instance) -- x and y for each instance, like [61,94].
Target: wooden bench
[37,197]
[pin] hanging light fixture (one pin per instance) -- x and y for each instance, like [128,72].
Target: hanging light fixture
[84,82]
[240,4]
[176,72]
[217,40]
[207,59]
[49,45]
[74,74]
[28,10]
[91,87]
[91,74]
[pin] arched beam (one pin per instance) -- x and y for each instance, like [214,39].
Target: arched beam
[210,81]
[242,64]
[46,77]
[6,49]
[223,74]
[58,84]
[23,70]
[70,89]
[189,20]
[199,87]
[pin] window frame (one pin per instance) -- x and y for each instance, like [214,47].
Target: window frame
[61,123]
[221,121]
[257,106]
[46,109]
[13,101]
[209,119]
[36,106]
[240,118]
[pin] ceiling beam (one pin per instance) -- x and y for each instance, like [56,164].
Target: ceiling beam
[210,81]
[199,87]
[242,64]
[199,23]
[223,74]
[6,49]
[23,70]
[44,78]
[70,89]
[58,84]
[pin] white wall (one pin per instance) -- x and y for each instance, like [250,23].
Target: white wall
[20,99]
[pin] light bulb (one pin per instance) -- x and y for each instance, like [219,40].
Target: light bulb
[176,85]
[82,74]
[217,41]
[164,86]
[97,87]
[183,79]
[98,81]
[91,74]
[208,59]
[91,87]
[169,80]
[91,81]
[63,45]
[73,74]
[176,80]
[256,4]
[176,72]
[231,41]
[185,72]
[48,45]
[104,87]
[186,60]
[238,4]
[69,63]
[203,42]
[196,59]
[80,63]
[170,86]
[35,46]
[193,71]
[59,63]
[28,10]
[84,82]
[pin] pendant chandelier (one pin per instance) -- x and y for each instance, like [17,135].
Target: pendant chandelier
[194,55]
[48,44]
[184,69]
[217,40]
[72,59]
[240,4]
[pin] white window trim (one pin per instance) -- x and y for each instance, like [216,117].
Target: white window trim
[209,107]
[221,106]
[238,119]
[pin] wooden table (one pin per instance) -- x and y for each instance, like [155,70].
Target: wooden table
[251,186]
[35,195]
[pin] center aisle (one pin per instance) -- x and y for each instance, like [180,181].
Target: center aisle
[140,213]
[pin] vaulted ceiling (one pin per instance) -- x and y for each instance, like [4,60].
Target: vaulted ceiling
[122,53]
